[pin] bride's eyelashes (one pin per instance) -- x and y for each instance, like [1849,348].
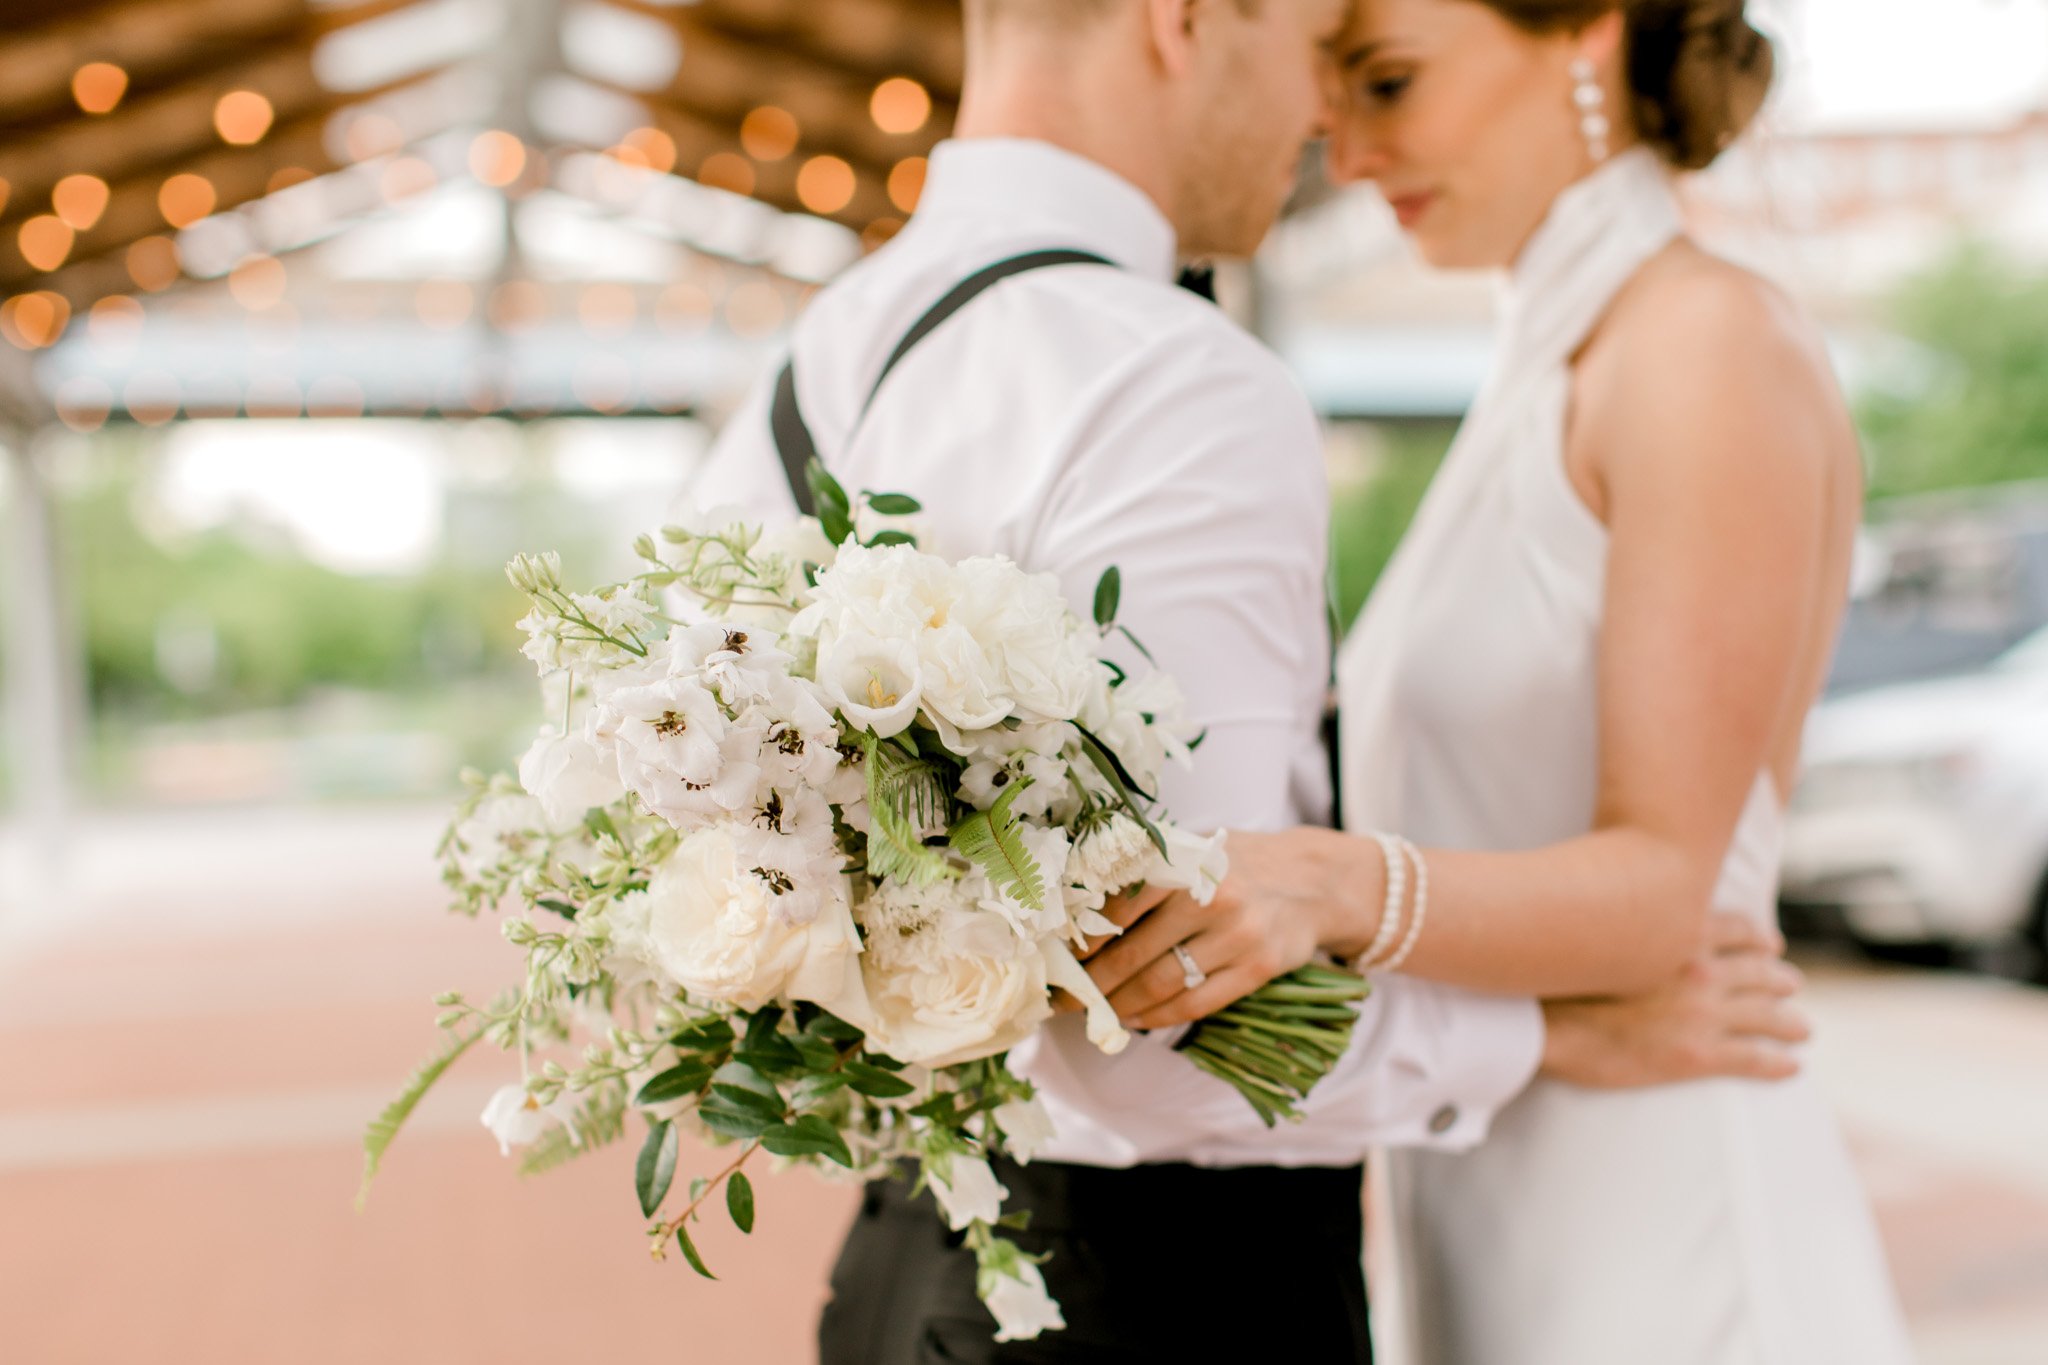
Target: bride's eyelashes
[1385,88]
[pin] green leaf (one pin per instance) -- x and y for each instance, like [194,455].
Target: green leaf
[875,1082]
[894,504]
[562,908]
[680,1080]
[825,489]
[739,1201]
[882,538]
[811,573]
[377,1138]
[599,824]
[808,1135]
[833,1029]
[731,1121]
[656,1168]
[838,527]
[1101,754]
[706,1035]
[815,1053]
[1112,771]
[992,839]
[690,1253]
[905,794]
[1109,591]
[754,1101]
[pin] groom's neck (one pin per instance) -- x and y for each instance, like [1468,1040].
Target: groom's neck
[1070,98]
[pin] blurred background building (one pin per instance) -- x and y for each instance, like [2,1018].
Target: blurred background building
[314,312]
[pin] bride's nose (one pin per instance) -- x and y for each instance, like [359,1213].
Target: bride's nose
[1349,155]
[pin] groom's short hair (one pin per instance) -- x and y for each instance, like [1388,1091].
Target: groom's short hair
[1060,13]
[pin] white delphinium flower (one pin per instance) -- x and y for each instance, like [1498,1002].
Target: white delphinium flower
[1025,1126]
[1020,1304]
[677,749]
[517,1119]
[570,773]
[740,664]
[745,917]
[502,829]
[800,740]
[1004,756]
[967,1190]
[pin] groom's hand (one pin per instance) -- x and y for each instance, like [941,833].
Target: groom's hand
[1729,1013]
[1264,921]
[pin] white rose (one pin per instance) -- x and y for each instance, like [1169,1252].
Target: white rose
[1020,1304]
[968,1191]
[731,921]
[1042,655]
[961,987]
[1026,1128]
[570,773]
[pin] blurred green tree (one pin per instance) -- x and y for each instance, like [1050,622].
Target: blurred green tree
[1971,406]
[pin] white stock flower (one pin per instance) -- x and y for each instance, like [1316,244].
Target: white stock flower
[967,1190]
[500,828]
[1111,857]
[1144,723]
[744,918]
[1026,1128]
[568,774]
[1020,1304]
[1195,863]
[516,1119]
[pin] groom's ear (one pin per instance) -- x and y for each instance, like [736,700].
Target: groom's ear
[1171,25]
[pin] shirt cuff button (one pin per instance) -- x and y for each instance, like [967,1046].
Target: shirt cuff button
[1444,1120]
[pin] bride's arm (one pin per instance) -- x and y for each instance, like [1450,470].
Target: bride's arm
[1718,460]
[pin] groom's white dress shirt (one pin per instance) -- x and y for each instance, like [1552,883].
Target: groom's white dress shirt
[1082,416]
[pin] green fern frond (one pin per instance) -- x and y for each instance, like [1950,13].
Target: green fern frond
[597,1123]
[377,1138]
[991,840]
[904,795]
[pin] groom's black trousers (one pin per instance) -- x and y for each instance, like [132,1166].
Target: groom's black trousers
[1173,1264]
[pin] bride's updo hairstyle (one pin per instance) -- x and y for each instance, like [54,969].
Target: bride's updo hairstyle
[1698,70]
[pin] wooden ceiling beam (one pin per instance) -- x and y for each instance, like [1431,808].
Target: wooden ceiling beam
[238,175]
[875,39]
[160,129]
[153,39]
[697,138]
[722,79]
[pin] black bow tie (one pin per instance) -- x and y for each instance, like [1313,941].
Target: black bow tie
[1201,280]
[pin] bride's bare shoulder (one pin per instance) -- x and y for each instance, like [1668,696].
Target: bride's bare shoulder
[1698,335]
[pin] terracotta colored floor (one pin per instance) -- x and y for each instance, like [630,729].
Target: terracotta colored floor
[194,1035]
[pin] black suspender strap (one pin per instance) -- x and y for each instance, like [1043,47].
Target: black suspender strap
[793,440]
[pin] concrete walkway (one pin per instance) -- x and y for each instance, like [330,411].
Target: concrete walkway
[196,1029]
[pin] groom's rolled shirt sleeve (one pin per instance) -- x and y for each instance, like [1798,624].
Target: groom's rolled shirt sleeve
[1200,474]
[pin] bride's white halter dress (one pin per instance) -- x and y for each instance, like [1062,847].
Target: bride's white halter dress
[1714,1223]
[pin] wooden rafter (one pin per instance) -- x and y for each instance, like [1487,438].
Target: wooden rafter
[872,39]
[697,138]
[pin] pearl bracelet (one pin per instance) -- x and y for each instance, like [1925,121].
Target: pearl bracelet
[1397,894]
[1395,963]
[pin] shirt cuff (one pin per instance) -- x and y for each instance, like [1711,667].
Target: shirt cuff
[1430,1066]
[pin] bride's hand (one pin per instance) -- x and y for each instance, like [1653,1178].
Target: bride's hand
[1265,921]
[1729,1013]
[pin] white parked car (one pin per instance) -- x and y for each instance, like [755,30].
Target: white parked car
[1922,815]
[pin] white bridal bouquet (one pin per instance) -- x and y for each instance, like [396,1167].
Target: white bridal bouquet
[813,835]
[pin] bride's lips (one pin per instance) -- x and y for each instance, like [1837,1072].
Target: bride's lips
[1409,208]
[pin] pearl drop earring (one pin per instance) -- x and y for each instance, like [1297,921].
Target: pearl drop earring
[1592,103]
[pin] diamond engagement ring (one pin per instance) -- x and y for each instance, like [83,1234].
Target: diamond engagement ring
[1191,976]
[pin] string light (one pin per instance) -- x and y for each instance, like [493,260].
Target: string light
[334,395]
[906,183]
[727,171]
[607,309]
[654,149]
[444,305]
[685,306]
[35,321]
[98,86]
[152,397]
[878,233]
[5,191]
[406,177]
[516,305]
[900,105]
[769,133]
[286,177]
[242,117]
[45,241]
[185,199]
[825,185]
[497,158]
[115,322]
[258,283]
[84,402]
[372,135]
[273,396]
[153,264]
[80,200]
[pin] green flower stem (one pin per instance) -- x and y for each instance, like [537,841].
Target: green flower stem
[662,1232]
[1274,1045]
